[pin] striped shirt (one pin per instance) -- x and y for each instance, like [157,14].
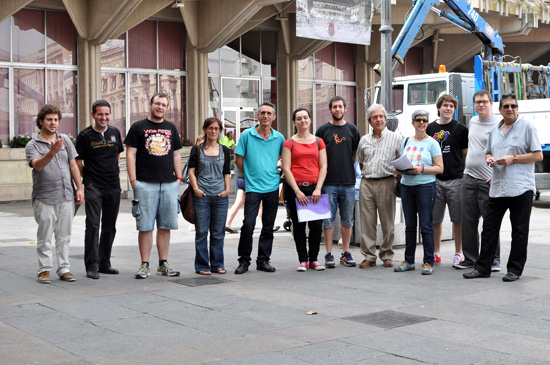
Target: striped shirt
[374,154]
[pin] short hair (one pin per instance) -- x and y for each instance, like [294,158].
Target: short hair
[506,97]
[374,107]
[336,98]
[229,134]
[160,95]
[481,93]
[209,121]
[99,103]
[300,110]
[446,97]
[418,112]
[267,103]
[45,110]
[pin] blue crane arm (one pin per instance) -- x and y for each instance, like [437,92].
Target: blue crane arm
[465,17]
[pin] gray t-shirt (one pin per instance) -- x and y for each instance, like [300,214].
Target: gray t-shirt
[478,133]
[51,185]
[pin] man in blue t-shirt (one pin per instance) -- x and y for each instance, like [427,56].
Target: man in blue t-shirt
[256,155]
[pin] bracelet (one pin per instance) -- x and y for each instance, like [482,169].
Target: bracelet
[422,169]
[131,181]
[180,178]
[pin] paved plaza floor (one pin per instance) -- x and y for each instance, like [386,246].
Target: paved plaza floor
[372,316]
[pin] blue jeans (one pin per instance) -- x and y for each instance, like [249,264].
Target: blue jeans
[343,197]
[211,213]
[419,200]
[251,207]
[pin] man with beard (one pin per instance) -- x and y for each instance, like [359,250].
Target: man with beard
[341,139]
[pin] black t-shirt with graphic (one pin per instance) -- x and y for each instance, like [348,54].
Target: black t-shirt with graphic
[452,138]
[100,155]
[341,142]
[155,144]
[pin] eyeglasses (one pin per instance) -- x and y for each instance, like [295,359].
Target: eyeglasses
[508,106]
[482,102]
[213,129]
[160,104]
[421,120]
[103,139]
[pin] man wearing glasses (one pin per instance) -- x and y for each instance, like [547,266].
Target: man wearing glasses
[154,169]
[512,150]
[99,146]
[477,180]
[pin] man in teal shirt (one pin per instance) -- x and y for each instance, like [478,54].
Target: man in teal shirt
[256,155]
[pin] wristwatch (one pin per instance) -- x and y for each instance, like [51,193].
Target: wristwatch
[515,158]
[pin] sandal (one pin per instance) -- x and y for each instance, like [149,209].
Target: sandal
[204,272]
[221,270]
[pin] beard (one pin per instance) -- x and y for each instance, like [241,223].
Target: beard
[336,118]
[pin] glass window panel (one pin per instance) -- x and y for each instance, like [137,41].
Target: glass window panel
[171,42]
[230,61]
[214,62]
[269,91]
[142,45]
[305,95]
[305,68]
[61,39]
[28,36]
[324,64]
[250,60]
[141,91]
[241,93]
[5,39]
[113,52]
[172,86]
[323,93]
[214,97]
[29,98]
[345,62]
[61,93]
[4,107]
[117,98]
[348,92]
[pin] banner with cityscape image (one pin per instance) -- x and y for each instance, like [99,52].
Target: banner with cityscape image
[346,21]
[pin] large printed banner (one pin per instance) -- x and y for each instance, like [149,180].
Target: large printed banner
[346,21]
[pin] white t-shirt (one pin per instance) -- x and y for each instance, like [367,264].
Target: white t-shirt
[478,133]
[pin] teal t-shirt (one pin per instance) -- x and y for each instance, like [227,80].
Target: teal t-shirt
[260,158]
[420,153]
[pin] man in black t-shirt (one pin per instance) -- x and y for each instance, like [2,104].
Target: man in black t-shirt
[341,139]
[99,147]
[452,137]
[154,169]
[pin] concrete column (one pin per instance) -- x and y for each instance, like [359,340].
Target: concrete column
[89,79]
[287,97]
[197,90]
[362,75]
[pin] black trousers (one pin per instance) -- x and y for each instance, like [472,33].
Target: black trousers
[251,207]
[520,214]
[102,205]
[299,229]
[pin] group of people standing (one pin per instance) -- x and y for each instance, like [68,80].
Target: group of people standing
[476,174]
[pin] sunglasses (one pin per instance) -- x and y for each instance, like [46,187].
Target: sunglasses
[508,106]
[421,120]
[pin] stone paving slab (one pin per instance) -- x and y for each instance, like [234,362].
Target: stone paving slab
[260,318]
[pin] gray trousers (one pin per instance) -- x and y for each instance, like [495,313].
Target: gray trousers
[53,219]
[475,197]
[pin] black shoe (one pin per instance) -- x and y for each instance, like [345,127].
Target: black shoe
[264,266]
[108,270]
[243,267]
[92,274]
[510,277]
[230,230]
[276,228]
[475,274]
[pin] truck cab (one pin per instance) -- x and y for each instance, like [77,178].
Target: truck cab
[413,92]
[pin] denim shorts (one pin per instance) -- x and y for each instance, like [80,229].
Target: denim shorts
[343,197]
[155,202]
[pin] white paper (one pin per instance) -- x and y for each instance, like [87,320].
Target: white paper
[313,212]
[402,163]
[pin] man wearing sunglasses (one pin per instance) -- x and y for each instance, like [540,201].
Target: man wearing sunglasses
[512,150]
[99,146]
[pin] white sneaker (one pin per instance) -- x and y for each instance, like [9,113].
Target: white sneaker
[143,272]
[302,267]
[457,259]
